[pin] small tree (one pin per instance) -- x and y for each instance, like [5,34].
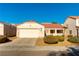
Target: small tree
[54,23]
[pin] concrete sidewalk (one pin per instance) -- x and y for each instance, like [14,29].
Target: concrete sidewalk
[16,50]
[24,53]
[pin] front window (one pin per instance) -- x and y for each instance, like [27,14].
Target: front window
[70,31]
[52,31]
[59,31]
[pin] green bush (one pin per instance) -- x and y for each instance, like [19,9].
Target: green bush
[53,39]
[74,39]
[60,38]
[3,39]
[50,40]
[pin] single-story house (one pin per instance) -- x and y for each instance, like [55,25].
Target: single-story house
[30,29]
[7,29]
[72,26]
[53,29]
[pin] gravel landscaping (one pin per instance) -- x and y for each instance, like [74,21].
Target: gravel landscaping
[40,42]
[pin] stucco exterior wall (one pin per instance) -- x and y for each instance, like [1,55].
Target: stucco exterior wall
[30,25]
[1,29]
[71,25]
[77,22]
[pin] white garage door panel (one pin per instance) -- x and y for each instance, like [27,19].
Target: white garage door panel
[29,33]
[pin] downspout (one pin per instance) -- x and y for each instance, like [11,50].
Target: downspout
[77,32]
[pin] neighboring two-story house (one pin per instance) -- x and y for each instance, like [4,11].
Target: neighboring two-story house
[72,26]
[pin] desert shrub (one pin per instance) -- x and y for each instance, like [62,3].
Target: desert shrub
[53,39]
[69,36]
[60,38]
[3,39]
[74,39]
[50,39]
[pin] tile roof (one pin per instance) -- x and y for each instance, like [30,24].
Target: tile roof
[52,25]
[77,26]
[74,17]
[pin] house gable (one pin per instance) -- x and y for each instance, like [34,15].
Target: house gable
[30,25]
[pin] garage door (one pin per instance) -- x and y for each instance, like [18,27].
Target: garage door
[29,33]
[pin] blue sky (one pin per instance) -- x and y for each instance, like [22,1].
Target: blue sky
[40,12]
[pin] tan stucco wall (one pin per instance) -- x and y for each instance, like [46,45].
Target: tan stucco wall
[77,22]
[30,25]
[1,29]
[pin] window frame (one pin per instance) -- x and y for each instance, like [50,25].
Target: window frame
[70,32]
[60,31]
[52,31]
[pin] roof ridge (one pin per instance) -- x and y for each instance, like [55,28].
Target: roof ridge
[74,17]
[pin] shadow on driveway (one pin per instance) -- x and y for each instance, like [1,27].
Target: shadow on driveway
[70,52]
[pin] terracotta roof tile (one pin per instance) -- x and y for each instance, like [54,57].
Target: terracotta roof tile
[74,17]
[52,25]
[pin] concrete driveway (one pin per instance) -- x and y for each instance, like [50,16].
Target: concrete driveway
[27,47]
[18,44]
[25,41]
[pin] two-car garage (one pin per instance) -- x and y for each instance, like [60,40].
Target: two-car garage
[30,30]
[29,33]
